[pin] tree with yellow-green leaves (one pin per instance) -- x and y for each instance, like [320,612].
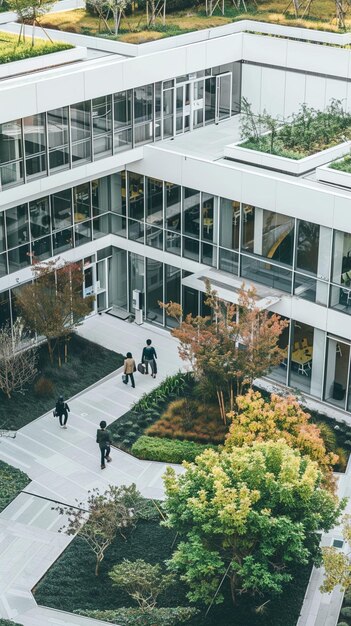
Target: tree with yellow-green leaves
[246,518]
[257,419]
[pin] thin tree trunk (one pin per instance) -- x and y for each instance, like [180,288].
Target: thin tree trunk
[51,354]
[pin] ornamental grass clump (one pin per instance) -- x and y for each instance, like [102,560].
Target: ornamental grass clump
[306,132]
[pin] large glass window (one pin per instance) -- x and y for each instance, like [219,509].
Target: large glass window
[61,209]
[209,224]
[34,129]
[173,207]
[136,275]
[81,202]
[101,195]
[82,233]
[19,257]
[154,290]
[307,247]
[268,234]
[17,226]
[81,132]
[41,248]
[143,112]
[191,207]
[11,154]
[59,158]
[340,296]
[102,126]
[172,290]
[154,201]
[62,240]
[301,356]
[229,224]
[39,214]
[136,196]
[2,233]
[337,372]
[122,103]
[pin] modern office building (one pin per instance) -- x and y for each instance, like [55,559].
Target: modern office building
[123,161]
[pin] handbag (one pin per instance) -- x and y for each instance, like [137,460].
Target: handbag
[141,368]
[54,413]
[124,378]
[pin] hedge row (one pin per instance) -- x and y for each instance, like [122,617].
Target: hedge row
[167,450]
[12,482]
[138,617]
[7,622]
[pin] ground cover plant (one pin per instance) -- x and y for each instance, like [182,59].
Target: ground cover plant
[8,622]
[306,132]
[343,165]
[189,15]
[87,363]
[12,482]
[70,584]
[12,50]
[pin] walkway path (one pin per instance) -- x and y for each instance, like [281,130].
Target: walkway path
[64,465]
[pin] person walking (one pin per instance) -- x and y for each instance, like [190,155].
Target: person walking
[103,438]
[62,409]
[129,369]
[149,357]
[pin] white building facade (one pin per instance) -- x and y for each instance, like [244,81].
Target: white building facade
[122,161]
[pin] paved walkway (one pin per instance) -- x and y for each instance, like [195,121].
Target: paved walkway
[64,465]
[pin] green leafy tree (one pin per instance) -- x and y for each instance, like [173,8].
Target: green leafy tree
[53,304]
[142,581]
[231,347]
[246,518]
[30,11]
[104,515]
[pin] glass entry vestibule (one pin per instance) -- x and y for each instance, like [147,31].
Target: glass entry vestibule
[196,102]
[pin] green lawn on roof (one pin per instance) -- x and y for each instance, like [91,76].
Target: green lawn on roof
[12,50]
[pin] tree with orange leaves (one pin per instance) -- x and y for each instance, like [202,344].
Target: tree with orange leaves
[53,304]
[257,419]
[231,347]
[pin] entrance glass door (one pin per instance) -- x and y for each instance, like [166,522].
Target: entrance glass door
[223,96]
[183,106]
[89,284]
[198,103]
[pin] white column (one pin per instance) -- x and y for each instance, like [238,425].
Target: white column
[258,231]
[317,363]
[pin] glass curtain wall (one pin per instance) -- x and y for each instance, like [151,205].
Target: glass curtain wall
[58,139]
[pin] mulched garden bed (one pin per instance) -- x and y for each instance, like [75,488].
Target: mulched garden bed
[87,364]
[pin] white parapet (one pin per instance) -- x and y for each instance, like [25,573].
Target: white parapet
[53,59]
[295,167]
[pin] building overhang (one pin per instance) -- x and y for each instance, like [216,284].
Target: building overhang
[228,287]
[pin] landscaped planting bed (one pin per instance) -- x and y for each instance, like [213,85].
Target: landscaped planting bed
[12,50]
[7,622]
[12,482]
[172,425]
[87,364]
[71,585]
[308,132]
[343,165]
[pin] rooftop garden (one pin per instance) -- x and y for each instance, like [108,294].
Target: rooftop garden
[344,165]
[305,133]
[129,22]
[11,49]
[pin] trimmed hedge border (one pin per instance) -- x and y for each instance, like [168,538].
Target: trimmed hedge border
[8,622]
[168,450]
[162,616]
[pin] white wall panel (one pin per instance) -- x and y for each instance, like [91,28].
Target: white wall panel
[336,89]
[315,92]
[295,84]
[251,85]
[273,91]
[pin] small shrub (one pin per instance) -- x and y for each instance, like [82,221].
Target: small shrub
[167,450]
[137,617]
[346,612]
[44,388]
[8,622]
[126,442]
[343,458]
[342,624]
[347,597]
